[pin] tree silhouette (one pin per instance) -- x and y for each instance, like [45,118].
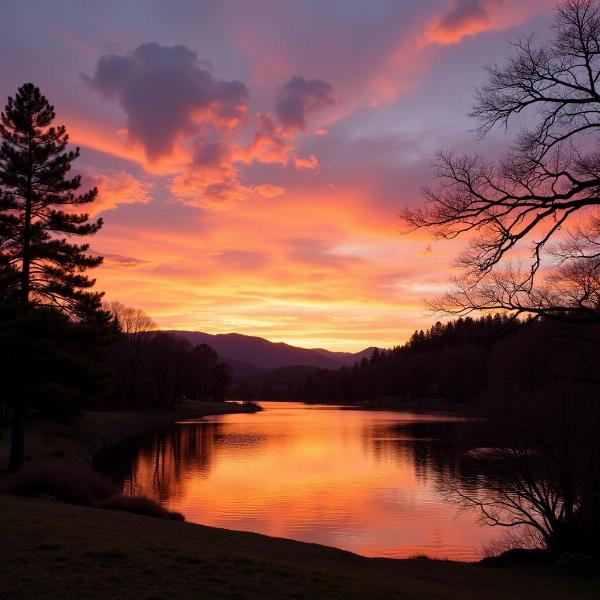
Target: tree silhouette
[130,353]
[548,180]
[38,266]
[39,269]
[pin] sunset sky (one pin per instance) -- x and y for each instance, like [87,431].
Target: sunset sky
[252,156]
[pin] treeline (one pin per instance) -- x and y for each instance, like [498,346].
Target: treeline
[115,360]
[449,361]
[150,367]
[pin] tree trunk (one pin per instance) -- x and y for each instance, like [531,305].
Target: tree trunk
[25,273]
[17,436]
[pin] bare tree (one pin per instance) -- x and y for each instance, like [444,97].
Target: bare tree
[542,470]
[132,350]
[539,447]
[549,179]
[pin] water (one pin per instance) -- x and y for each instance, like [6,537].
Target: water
[365,481]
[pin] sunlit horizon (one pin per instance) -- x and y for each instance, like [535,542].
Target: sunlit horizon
[251,175]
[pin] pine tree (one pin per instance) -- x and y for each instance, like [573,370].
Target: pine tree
[40,271]
[38,266]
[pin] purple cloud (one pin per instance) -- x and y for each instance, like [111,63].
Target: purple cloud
[467,10]
[214,154]
[163,89]
[464,17]
[300,96]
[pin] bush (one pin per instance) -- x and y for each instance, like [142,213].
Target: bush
[140,505]
[518,557]
[66,481]
[77,483]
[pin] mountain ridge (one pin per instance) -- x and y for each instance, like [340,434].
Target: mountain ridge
[248,355]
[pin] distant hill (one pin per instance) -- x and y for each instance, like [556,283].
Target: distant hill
[346,358]
[249,355]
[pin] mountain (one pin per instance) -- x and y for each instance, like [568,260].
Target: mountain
[346,359]
[249,355]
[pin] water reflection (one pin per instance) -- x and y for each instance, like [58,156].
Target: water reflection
[366,481]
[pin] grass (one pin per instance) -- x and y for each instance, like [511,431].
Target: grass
[55,550]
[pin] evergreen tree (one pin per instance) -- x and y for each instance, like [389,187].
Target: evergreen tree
[40,271]
[38,266]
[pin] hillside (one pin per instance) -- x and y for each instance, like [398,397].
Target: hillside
[249,355]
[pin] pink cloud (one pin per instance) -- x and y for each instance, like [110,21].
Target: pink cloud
[306,163]
[467,18]
[115,187]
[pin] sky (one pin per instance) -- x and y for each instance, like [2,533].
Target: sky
[252,156]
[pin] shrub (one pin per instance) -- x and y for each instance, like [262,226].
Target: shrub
[64,480]
[518,557]
[77,483]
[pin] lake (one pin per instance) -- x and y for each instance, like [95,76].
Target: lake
[367,481]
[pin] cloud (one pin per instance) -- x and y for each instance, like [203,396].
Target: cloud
[273,145]
[124,262]
[218,190]
[299,97]
[306,163]
[181,114]
[464,18]
[115,187]
[211,154]
[270,145]
[266,190]
[241,259]
[166,93]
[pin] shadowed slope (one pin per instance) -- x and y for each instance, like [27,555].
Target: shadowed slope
[56,550]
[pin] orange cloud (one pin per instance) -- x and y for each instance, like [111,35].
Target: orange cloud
[270,145]
[306,163]
[111,141]
[115,188]
[266,190]
[466,18]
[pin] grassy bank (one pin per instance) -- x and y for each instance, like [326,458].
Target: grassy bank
[55,550]
[94,430]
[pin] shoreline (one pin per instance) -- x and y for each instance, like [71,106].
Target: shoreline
[94,431]
[131,429]
[111,547]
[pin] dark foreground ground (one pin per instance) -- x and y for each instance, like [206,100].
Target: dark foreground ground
[54,550]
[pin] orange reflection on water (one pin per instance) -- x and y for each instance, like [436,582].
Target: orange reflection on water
[365,481]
